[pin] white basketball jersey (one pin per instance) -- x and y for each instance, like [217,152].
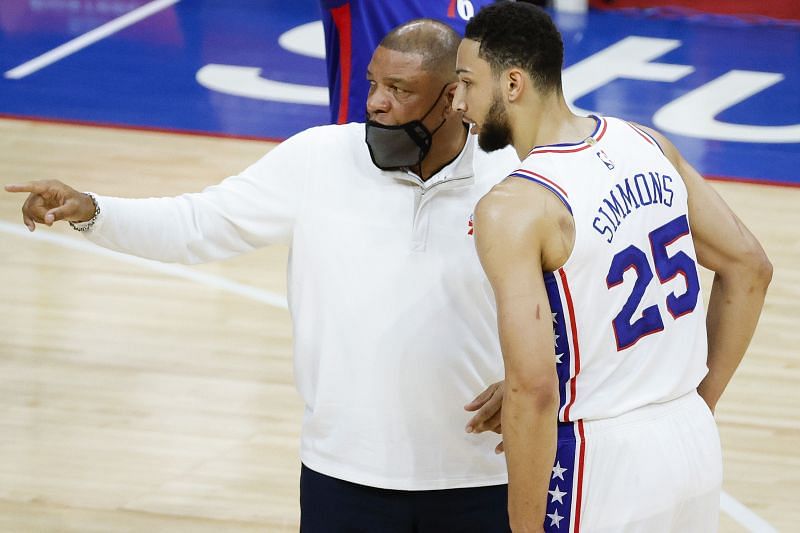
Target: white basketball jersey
[628,314]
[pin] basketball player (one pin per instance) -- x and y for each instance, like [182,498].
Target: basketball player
[613,368]
[394,321]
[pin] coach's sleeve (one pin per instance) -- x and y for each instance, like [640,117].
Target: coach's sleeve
[255,208]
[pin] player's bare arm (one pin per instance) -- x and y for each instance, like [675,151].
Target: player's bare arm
[518,234]
[742,273]
[51,200]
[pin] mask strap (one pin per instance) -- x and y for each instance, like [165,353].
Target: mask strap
[428,112]
[431,109]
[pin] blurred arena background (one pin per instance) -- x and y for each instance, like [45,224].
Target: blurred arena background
[136,395]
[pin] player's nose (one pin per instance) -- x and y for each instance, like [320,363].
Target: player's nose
[459,103]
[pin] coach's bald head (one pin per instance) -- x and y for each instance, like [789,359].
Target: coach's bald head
[435,41]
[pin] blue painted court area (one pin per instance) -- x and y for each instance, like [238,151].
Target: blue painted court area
[727,93]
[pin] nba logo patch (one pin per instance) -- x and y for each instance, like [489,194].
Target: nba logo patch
[605,159]
[470,227]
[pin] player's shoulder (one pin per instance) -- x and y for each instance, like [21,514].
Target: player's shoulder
[543,170]
[516,220]
[510,202]
[637,130]
[530,195]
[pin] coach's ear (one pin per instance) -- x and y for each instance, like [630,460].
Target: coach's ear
[449,96]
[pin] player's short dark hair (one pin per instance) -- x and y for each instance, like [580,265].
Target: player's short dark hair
[435,41]
[517,34]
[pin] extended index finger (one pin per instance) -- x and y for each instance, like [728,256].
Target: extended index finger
[37,187]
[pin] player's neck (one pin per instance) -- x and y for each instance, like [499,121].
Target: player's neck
[548,121]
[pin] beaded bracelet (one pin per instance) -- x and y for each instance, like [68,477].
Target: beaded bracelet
[85,225]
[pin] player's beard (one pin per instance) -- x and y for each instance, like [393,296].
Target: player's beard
[495,132]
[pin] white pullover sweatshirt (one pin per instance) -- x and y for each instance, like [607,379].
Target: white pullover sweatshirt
[394,320]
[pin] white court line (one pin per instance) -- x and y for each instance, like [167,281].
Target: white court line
[178,271]
[744,516]
[88,38]
[736,510]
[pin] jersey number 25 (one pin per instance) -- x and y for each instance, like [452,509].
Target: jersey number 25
[628,331]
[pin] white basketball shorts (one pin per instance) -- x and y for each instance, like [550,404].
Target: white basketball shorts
[652,470]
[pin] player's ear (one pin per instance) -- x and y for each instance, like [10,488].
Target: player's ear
[513,82]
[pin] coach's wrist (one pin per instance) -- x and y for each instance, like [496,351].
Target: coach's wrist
[88,211]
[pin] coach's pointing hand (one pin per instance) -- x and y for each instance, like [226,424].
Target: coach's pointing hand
[51,200]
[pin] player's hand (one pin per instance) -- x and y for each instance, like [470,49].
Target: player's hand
[488,405]
[51,200]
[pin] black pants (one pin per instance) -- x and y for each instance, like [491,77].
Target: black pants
[330,505]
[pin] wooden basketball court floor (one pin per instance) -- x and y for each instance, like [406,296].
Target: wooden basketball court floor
[142,397]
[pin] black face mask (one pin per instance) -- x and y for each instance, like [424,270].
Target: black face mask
[401,146]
